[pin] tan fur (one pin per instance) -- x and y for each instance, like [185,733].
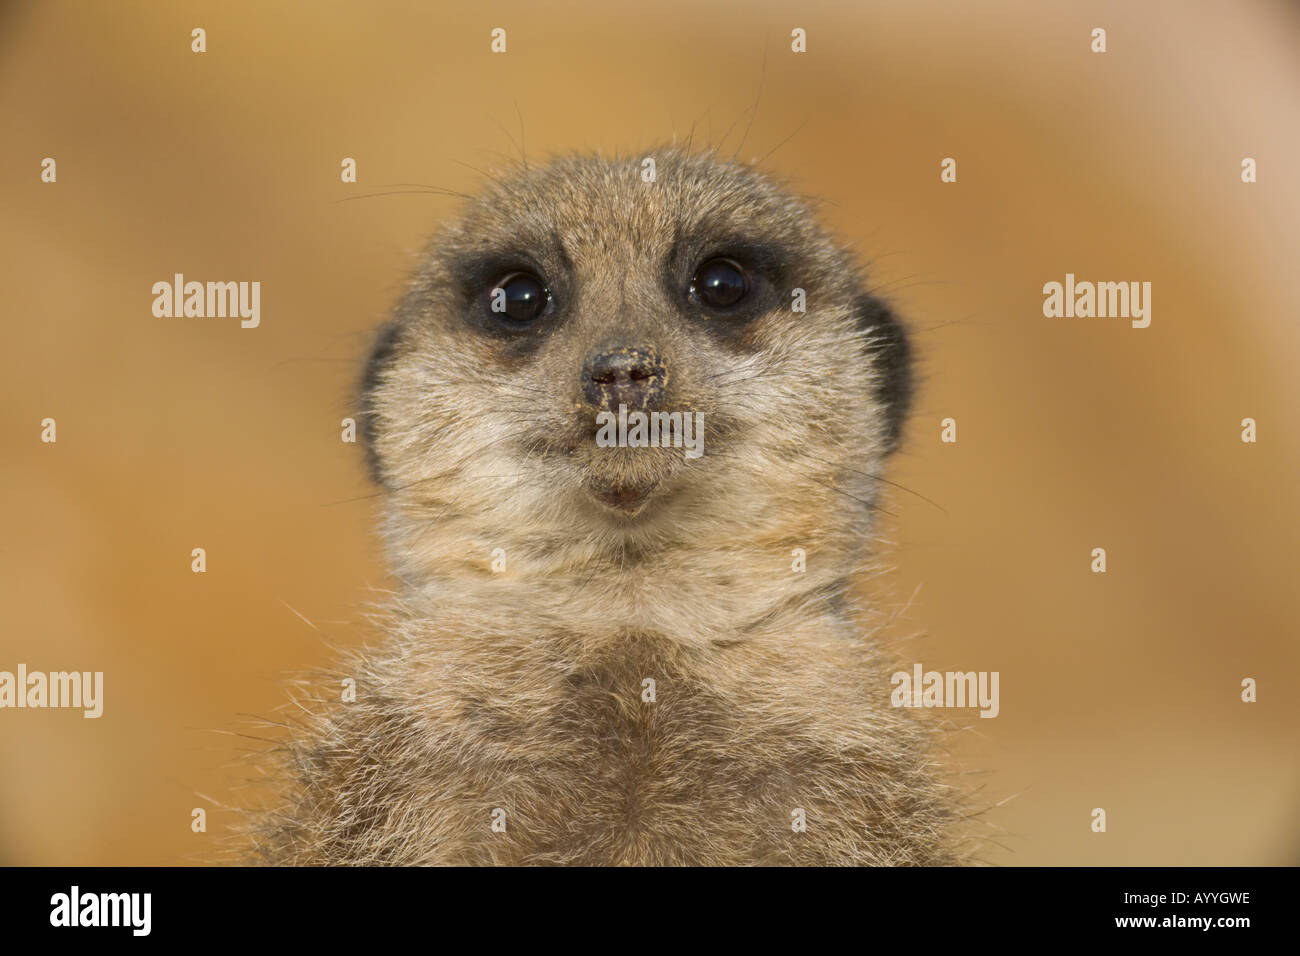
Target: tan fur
[523,690]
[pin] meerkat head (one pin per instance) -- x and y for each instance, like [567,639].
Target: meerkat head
[573,301]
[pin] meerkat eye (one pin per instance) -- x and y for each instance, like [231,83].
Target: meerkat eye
[519,297]
[719,283]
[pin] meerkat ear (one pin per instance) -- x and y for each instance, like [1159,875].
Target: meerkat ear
[379,361]
[892,354]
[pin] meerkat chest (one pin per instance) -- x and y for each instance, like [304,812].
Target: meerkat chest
[640,760]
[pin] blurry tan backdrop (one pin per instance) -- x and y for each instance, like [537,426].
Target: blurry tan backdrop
[1119,691]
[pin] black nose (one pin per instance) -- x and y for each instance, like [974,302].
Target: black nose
[631,375]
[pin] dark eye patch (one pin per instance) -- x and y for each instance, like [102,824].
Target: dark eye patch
[476,274]
[526,276]
[695,263]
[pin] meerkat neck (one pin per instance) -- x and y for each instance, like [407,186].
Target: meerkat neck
[699,588]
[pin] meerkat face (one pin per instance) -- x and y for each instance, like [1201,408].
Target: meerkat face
[614,345]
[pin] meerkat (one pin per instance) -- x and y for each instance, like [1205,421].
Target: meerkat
[625,655]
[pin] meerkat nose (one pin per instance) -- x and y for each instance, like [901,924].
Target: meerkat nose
[631,375]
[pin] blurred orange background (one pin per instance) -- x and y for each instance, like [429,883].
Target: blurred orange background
[1119,691]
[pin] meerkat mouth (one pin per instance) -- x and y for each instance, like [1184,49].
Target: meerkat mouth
[624,469]
[627,498]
